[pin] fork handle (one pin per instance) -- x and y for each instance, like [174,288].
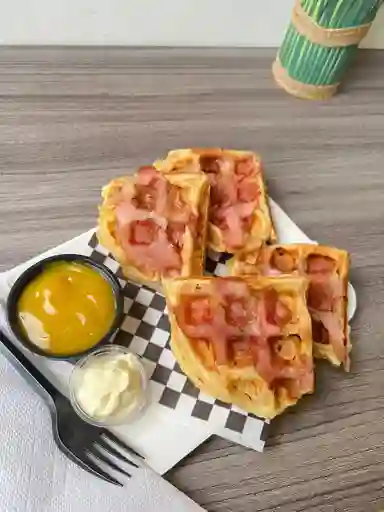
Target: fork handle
[27,370]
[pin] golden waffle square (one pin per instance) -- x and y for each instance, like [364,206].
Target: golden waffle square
[245,341]
[239,215]
[326,269]
[155,225]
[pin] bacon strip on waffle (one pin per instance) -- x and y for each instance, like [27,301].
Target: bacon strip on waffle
[155,225]
[245,341]
[239,216]
[326,269]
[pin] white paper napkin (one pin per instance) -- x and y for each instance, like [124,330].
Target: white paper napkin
[36,477]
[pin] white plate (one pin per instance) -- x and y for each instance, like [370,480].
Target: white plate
[164,440]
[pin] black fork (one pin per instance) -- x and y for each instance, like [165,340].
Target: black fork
[81,442]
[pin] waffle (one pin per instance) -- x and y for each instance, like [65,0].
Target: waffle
[239,216]
[327,269]
[149,208]
[245,341]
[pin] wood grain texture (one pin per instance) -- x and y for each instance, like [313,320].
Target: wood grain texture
[71,119]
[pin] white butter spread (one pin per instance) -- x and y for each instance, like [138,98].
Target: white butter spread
[110,385]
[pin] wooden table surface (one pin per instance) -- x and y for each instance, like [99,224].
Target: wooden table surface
[72,119]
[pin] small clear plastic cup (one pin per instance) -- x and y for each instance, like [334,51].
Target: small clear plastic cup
[125,414]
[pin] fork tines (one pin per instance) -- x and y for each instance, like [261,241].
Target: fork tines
[103,445]
[106,446]
[111,437]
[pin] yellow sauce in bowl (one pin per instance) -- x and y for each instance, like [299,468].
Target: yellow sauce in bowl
[67,309]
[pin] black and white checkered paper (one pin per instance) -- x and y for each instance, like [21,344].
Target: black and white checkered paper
[146,332]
